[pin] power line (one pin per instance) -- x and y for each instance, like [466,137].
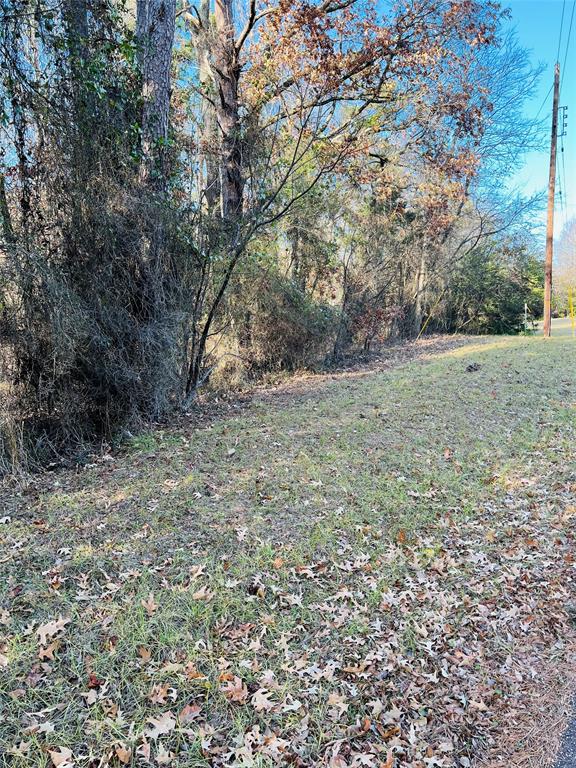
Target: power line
[545,99]
[544,102]
[561,27]
[561,182]
[564,112]
[565,201]
[560,190]
[567,44]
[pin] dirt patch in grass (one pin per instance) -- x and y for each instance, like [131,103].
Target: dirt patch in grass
[214,405]
[370,568]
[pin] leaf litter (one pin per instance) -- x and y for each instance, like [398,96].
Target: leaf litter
[383,643]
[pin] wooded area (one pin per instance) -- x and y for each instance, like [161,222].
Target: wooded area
[228,189]
[565,282]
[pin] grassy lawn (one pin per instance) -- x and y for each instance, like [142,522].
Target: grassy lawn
[371,568]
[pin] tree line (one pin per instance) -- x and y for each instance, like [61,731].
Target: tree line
[227,188]
[564,286]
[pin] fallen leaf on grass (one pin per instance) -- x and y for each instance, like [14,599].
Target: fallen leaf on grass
[261,700]
[192,673]
[164,756]
[159,693]
[291,705]
[94,681]
[123,753]
[144,653]
[143,751]
[188,713]
[61,758]
[392,715]
[338,702]
[49,651]
[160,725]
[377,707]
[389,761]
[47,631]
[109,707]
[90,697]
[40,728]
[21,749]
[241,533]
[203,594]
[387,733]
[149,605]
[196,571]
[235,690]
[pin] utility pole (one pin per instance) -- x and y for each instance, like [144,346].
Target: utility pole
[550,217]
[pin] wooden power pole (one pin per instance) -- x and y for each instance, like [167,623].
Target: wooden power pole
[550,217]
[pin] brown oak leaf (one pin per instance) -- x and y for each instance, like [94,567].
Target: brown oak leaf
[235,690]
[160,725]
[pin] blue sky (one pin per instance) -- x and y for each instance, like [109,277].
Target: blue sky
[537,23]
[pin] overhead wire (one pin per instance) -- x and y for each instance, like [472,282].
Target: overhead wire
[543,102]
[547,96]
[564,200]
[561,28]
[561,187]
[567,45]
[545,99]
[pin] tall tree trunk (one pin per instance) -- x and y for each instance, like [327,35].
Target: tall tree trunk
[208,140]
[226,71]
[76,12]
[76,19]
[155,25]
[396,326]
[219,57]
[20,145]
[5,218]
[419,294]
[342,331]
